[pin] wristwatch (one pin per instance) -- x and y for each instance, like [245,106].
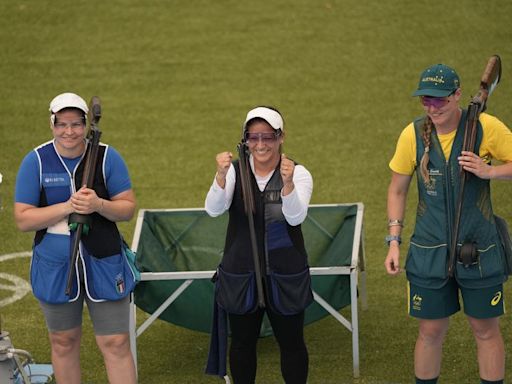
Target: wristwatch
[390,238]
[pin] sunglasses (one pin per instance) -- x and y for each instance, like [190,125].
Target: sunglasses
[436,102]
[252,138]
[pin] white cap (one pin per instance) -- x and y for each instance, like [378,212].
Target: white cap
[68,100]
[269,115]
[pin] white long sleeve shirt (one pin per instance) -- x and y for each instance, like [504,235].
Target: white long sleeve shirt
[295,204]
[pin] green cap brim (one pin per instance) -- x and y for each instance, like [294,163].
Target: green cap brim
[433,92]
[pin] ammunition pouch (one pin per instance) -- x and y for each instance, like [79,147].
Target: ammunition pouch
[468,254]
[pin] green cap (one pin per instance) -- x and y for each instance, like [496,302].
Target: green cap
[437,81]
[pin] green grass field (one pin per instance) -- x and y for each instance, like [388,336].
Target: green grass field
[176,79]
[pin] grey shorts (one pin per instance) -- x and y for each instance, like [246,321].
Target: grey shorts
[108,317]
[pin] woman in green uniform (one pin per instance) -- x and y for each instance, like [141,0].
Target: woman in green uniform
[431,147]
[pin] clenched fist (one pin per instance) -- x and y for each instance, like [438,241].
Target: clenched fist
[286,170]
[223,163]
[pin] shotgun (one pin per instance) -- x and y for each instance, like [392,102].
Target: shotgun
[79,224]
[249,206]
[488,82]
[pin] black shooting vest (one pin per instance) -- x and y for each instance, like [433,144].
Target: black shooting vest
[280,245]
[427,259]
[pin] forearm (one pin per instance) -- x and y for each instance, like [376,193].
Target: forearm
[31,218]
[215,203]
[396,212]
[295,208]
[288,188]
[219,197]
[501,172]
[396,202]
[296,202]
[397,195]
[116,210]
[120,207]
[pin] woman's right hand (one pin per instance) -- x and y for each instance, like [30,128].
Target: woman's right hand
[223,163]
[392,262]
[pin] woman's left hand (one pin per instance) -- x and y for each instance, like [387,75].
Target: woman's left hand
[474,164]
[287,169]
[85,201]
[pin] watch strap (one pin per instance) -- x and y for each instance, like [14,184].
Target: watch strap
[390,238]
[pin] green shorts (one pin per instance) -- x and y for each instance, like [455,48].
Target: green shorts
[481,303]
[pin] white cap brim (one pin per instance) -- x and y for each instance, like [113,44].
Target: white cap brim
[68,100]
[273,118]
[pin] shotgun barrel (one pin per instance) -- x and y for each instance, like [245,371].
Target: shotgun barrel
[79,224]
[488,82]
[249,206]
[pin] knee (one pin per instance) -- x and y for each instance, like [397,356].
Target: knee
[432,333]
[114,345]
[292,345]
[244,341]
[64,344]
[239,345]
[485,330]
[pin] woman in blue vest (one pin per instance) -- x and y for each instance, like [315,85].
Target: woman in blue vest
[49,188]
[282,191]
[431,147]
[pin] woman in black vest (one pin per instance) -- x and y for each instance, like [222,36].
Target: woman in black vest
[282,191]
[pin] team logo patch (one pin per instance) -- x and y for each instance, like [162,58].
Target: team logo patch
[416,302]
[55,180]
[496,299]
[431,185]
[120,284]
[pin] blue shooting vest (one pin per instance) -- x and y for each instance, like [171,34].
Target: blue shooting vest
[428,256]
[106,273]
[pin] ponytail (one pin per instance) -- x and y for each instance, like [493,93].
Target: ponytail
[426,132]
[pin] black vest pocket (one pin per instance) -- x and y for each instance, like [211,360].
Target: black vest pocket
[235,292]
[290,293]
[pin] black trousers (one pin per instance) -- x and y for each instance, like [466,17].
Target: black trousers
[289,332]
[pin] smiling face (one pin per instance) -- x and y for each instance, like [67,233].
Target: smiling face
[443,111]
[263,143]
[69,133]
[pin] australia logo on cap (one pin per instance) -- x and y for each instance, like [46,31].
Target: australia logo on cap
[433,79]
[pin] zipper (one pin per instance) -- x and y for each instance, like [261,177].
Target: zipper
[447,198]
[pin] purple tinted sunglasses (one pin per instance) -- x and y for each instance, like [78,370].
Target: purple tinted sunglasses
[265,137]
[436,102]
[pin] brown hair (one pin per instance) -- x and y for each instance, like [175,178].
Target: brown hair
[426,132]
